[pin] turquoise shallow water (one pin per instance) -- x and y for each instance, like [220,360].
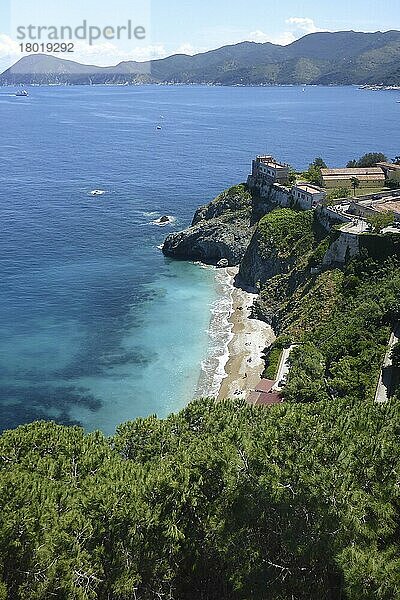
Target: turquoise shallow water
[161,350]
[96,326]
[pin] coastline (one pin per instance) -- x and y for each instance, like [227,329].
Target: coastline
[234,364]
[250,337]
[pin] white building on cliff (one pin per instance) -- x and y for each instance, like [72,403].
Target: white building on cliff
[268,170]
[307,195]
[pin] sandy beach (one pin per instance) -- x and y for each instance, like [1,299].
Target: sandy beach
[249,338]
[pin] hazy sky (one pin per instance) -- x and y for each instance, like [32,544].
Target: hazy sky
[188,26]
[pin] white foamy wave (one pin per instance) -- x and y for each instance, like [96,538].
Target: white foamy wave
[220,336]
[204,266]
[151,214]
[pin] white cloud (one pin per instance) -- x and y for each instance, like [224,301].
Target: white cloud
[299,26]
[283,39]
[304,24]
[8,46]
[107,53]
[258,36]
[10,52]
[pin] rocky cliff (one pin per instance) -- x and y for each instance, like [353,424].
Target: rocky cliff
[276,249]
[249,231]
[286,248]
[220,230]
[281,238]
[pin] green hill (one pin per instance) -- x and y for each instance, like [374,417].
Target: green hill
[346,57]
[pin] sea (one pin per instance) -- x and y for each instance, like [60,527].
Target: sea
[97,327]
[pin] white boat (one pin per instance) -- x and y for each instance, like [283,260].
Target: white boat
[97,193]
[22,93]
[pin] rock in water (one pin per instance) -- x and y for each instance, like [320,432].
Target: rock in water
[220,230]
[164,220]
[223,263]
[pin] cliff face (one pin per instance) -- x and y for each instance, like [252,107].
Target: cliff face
[260,262]
[276,248]
[279,260]
[282,237]
[220,230]
[308,291]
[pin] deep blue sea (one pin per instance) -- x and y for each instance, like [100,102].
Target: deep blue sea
[96,326]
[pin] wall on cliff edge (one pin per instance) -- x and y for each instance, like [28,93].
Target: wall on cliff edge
[345,247]
[329,217]
[273,193]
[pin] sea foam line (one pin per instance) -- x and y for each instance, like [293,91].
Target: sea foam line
[220,335]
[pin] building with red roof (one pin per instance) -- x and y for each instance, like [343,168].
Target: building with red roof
[264,394]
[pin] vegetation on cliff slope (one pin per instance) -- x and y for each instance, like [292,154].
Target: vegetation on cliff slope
[351,335]
[283,240]
[222,501]
[232,203]
[286,232]
[341,317]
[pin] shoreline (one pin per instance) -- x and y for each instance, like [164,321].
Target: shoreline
[250,337]
[234,364]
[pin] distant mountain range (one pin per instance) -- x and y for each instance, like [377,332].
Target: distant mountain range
[340,58]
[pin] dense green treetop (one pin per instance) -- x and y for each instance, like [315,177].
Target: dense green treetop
[220,501]
[368,160]
[380,221]
[313,174]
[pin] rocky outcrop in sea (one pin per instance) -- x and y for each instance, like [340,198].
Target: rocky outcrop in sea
[220,231]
